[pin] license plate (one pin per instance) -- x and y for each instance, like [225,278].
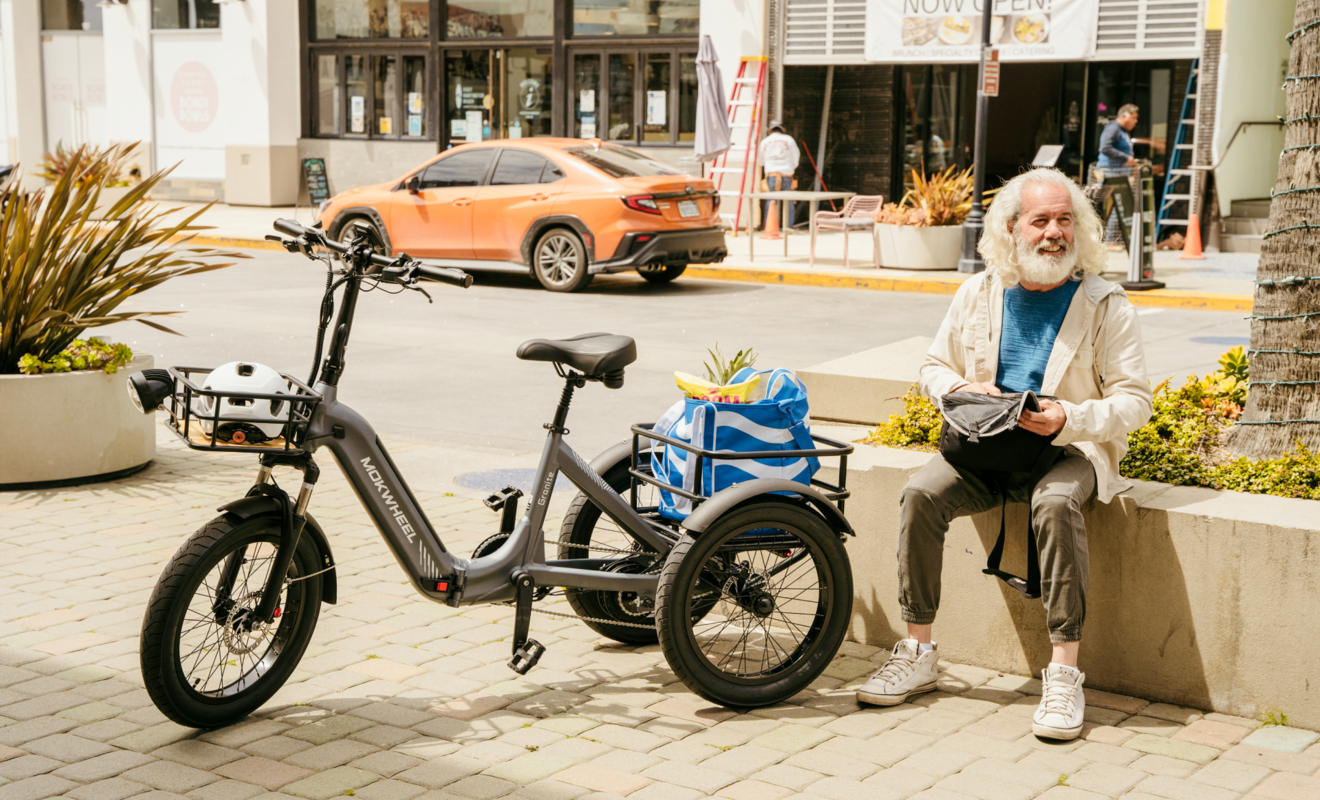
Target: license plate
[688,208]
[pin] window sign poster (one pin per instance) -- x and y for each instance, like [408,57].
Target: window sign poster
[515,130]
[357,115]
[457,128]
[414,102]
[588,127]
[474,124]
[949,31]
[587,101]
[655,108]
[414,125]
[386,125]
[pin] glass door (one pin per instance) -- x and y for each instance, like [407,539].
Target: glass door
[497,94]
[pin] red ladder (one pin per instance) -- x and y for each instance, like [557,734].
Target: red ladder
[747,171]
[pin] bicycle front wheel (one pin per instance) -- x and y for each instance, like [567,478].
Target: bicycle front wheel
[205,663]
[777,584]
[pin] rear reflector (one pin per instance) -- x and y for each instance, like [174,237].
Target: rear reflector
[442,586]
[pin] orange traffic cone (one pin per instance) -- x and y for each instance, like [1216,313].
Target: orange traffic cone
[1192,247]
[772,223]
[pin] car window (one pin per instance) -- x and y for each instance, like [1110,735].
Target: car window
[517,167]
[551,173]
[460,169]
[619,162]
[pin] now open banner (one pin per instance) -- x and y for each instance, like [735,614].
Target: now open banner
[949,31]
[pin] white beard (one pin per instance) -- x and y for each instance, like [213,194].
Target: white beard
[1048,270]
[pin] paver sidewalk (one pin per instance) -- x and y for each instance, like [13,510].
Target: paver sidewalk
[401,699]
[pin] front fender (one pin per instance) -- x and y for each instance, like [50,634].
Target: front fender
[727,499]
[246,508]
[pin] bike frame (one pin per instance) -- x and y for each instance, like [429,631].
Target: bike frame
[434,571]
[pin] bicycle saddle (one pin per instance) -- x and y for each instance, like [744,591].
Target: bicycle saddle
[594,354]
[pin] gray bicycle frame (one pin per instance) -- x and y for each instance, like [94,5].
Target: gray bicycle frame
[419,549]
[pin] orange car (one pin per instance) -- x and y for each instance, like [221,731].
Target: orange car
[565,209]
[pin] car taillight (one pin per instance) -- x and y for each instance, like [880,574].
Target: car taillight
[715,200]
[644,203]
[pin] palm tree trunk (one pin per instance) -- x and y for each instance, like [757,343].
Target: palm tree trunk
[1283,405]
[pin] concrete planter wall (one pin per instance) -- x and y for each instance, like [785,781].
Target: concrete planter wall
[71,425]
[1198,597]
[909,247]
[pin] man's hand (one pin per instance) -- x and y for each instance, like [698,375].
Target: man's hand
[978,388]
[1131,162]
[1046,422]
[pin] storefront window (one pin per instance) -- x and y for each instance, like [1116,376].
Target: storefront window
[355,88]
[370,19]
[327,96]
[414,82]
[687,97]
[70,15]
[184,14]
[622,76]
[586,95]
[470,94]
[635,17]
[930,125]
[483,19]
[656,71]
[386,99]
[527,95]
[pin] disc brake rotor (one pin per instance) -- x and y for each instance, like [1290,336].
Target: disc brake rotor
[236,635]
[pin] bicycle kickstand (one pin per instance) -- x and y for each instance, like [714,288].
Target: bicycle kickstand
[526,651]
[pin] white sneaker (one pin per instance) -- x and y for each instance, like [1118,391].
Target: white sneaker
[1062,704]
[905,674]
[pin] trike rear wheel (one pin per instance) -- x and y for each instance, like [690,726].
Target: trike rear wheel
[781,587]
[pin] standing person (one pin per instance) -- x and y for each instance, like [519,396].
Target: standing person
[1039,318]
[779,156]
[1116,158]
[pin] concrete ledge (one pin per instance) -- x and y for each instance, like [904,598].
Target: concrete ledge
[867,387]
[1198,597]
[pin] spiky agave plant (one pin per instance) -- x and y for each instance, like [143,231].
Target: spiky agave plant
[62,272]
[721,372]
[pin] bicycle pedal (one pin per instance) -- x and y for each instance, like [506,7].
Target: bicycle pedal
[525,657]
[498,500]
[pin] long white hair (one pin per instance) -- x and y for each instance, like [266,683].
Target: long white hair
[998,247]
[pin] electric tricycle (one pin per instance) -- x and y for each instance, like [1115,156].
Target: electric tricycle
[749,597]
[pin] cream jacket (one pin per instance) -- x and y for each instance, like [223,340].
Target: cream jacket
[1097,368]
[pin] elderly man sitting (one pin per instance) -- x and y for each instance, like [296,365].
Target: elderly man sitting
[1041,319]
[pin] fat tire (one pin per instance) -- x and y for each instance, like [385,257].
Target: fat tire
[683,565]
[578,526]
[177,583]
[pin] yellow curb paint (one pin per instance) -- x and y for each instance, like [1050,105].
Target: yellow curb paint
[1158,298]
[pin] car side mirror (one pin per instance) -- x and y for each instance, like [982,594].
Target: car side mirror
[414,183]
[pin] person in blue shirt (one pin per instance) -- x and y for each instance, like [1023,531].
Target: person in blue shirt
[1116,158]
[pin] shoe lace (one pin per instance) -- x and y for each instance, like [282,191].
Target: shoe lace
[899,666]
[1058,697]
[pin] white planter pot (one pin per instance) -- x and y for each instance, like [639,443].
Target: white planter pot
[70,425]
[909,247]
[109,196]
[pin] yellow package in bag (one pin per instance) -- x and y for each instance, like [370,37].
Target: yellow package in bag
[699,389]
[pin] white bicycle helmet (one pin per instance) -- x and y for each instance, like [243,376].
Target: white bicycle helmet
[242,377]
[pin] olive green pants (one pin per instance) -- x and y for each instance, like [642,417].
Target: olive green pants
[941,492]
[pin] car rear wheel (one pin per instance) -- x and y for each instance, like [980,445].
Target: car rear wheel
[661,273]
[560,261]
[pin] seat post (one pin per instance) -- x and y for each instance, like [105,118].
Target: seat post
[572,381]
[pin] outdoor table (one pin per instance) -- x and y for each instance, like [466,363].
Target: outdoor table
[788,195]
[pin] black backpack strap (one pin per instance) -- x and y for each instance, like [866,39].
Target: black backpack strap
[1030,588]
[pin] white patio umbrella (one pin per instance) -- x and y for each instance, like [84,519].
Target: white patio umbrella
[712,113]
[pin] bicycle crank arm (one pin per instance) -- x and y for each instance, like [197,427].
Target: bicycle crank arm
[526,651]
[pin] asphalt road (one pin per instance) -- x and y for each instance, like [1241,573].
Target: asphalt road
[444,374]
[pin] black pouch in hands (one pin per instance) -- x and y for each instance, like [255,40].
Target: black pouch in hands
[981,432]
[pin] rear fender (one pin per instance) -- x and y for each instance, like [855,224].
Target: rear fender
[246,508]
[557,221]
[726,500]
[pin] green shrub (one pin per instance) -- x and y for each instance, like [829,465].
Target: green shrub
[80,355]
[1181,445]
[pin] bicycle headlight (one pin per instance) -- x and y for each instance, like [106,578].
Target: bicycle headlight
[149,388]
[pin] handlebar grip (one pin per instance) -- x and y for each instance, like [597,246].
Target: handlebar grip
[289,227]
[453,277]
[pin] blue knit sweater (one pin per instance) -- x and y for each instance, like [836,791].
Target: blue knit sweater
[1031,323]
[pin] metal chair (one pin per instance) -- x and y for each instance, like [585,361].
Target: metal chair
[858,214]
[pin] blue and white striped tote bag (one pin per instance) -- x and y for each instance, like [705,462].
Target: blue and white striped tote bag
[778,421]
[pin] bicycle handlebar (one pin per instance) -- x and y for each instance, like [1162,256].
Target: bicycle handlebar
[403,266]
